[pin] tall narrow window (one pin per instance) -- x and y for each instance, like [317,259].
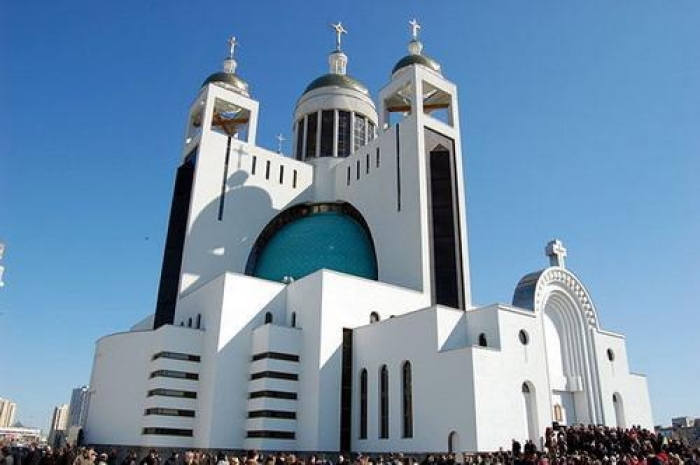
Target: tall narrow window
[370,131]
[378,163]
[294,319]
[363,404]
[367,164]
[327,127]
[281,174]
[407,404]
[358,169]
[267,169]
[294,179]
[300,139]
[268,317]
[343,133]
[348,182]
[254,165]
[359,132]
[311,127]
[384,402]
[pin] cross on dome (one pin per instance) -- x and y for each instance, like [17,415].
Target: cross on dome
[415,27]
[280,138]
[339,31]
[556,252]
[232,42]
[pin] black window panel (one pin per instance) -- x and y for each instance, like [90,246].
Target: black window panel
[276,356]
[271,434]
[267,169]
[275,375]
[327,126]
[172,393]
[300,140]
[407,401]
[270,394]
[446,268]
[254,164]
[177,356]
[174,374]
[170,412]
[174,243]
[346,392]
[167,431]
[311,128]
[272,414]
[343,133]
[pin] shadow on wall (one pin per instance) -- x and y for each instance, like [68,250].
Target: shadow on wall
[223,234]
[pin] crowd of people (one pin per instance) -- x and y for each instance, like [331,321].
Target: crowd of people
[570,445]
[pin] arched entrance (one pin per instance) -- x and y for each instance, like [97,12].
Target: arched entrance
[530,411]
[619,411]
[453,442]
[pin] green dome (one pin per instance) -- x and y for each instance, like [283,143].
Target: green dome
[409,60]
[229,79]
[318,239]
[336,80]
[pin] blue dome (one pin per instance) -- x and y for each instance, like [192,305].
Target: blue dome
[320,239]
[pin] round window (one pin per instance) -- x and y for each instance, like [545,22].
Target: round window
[524,338]
[611,355]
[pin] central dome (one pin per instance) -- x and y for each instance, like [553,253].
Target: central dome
[306,238]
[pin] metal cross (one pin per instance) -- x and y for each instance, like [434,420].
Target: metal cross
[280,138]
[415,27]
[339,30]
[232,42]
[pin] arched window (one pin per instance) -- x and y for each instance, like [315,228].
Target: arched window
[407,391]
[374,317]
[526,388]
[524,338]
[558,415]
[268,317]
[363,404]
[294,319]
[384,402]
[482,340]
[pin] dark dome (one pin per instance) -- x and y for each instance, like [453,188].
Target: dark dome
[337,80]
[409,60]
[228,79]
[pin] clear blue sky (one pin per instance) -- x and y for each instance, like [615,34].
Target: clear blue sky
[580,120]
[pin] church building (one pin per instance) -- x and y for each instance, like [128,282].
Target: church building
[322,301]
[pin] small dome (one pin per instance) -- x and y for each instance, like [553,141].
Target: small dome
[411,59]
[337,80]
[228,80]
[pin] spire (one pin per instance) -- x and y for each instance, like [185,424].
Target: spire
[415,47]
[337,60]
[230,63]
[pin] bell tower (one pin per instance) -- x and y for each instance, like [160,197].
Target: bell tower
[221,126]
[423,106]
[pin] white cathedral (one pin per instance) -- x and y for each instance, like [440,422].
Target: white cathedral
[322,302]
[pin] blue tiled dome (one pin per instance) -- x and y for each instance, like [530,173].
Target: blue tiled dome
[330,239]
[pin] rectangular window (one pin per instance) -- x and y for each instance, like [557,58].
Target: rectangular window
[300,140]
[281,174]
[294,179]
[254,165]
[172,393]
[275,375]
[267,169]
[167,431]
[270,394]
[367,164]
[276,356]
[271,434]
[359,132]
[370,131]
[177,356]
[174,374]
[169,412]
[358,169]
[272,414]
[348,182]
[311,127]
[378,157]
[343,133]
[327,127]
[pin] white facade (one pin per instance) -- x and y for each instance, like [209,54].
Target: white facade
[390,355]
[7,412]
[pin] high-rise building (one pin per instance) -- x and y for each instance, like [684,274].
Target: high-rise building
[323,301]
[7,413]
[79,403]
[59,422]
